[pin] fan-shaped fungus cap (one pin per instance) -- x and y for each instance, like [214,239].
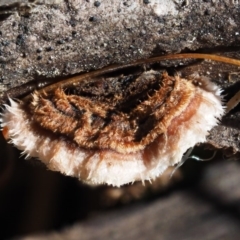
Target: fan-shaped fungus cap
[115,131]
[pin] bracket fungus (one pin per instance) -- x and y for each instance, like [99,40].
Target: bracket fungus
[115,129]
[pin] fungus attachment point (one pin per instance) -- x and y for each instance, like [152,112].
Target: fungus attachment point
[114,129]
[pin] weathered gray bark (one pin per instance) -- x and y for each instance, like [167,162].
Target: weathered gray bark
[45,41]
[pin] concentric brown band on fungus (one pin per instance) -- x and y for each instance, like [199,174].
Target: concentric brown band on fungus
[124,122]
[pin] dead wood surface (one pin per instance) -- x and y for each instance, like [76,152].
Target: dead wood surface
[43,41]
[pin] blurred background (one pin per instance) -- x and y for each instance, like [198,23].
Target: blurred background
[200,201]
